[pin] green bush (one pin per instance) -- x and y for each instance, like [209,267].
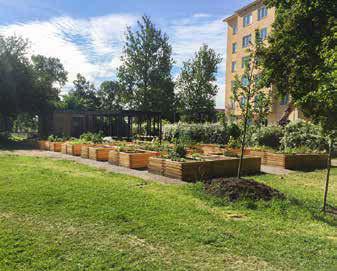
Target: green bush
[269,136]
[208,133]
[96,138]
[303,134]
[54,138]
[178,152]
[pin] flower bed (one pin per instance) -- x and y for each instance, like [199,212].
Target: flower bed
[136,159]
[100,153]
[195,170]
[292,161]
[55,146]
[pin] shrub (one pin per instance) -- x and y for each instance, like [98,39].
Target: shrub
[209,133]
[303,134]
[269,136]
[178,152]
[92,137]
[54,138]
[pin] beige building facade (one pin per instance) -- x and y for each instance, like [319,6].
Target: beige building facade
[241,33]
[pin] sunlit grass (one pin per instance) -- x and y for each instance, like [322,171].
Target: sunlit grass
[59,215]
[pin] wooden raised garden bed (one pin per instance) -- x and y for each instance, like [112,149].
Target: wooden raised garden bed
[55,146]
[85,149]
[224,166]
[64,148]
[194,170]
[237,151]
[137,159]
[73,149]
[100,153]
[292,161]
[43,145]
[209,148]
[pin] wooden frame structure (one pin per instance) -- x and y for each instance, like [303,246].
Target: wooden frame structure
[122,124]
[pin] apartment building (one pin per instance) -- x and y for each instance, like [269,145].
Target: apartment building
[241,32]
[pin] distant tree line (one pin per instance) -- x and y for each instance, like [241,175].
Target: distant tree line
[31,87]
[144,80]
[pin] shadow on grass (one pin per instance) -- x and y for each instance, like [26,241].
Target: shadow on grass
[280,207]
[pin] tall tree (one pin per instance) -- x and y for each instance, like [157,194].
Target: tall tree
[197,86]
[15,77]
[301,60]
[109,96]
[293,54]
[49,77]
[82,97]
[145,73]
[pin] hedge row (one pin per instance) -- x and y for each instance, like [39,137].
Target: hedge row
[295,135]
[208,133]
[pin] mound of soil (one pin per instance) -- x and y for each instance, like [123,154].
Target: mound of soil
[236,189]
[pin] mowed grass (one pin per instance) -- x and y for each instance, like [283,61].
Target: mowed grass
[59,215]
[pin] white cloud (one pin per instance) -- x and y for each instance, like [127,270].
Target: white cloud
[188,35]
[93,46]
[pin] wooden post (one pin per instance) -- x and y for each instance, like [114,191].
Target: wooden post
[327,176]
[160,129]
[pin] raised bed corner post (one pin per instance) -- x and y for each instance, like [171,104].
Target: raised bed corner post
[327,175]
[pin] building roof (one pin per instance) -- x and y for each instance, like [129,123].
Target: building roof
[243,9]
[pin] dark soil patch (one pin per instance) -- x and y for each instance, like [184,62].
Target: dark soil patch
[236,189]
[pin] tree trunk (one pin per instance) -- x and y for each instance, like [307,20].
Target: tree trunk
[327,176]
[284,119]
[243,143]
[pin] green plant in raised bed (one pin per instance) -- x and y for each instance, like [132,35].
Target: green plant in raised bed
[300,150]
[54,138]
[198,157]
[89,137]
[128,149]
[178,153]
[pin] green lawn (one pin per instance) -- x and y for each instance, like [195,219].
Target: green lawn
[58,215]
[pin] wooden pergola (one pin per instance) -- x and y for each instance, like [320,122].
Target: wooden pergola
[122,124]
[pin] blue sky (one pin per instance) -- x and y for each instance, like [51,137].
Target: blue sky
[88,36]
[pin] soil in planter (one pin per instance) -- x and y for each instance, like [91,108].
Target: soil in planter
[237,189]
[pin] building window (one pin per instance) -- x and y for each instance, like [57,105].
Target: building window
[233,66]
[285,100]
[246,40]
[245,61]
[234,48]
[235,29]
[244,81]
[247,20]
[263,33]
[262,12]
[243,101]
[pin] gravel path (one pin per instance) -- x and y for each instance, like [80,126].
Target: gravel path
[100,165]
[275,170]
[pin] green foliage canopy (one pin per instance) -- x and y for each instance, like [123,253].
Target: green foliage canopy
[197,86]
[145,73]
